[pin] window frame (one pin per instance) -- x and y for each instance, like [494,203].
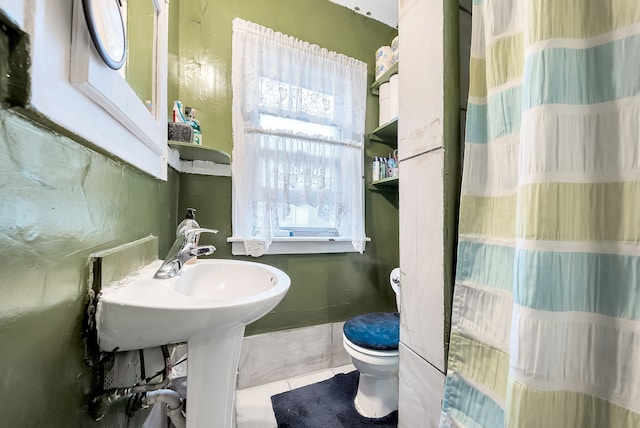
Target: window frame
[303,244]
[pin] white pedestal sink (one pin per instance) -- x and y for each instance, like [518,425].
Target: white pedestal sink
[208,304]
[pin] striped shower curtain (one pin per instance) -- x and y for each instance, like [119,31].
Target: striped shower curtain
[546,312]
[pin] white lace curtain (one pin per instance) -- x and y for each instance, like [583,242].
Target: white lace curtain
[298,126]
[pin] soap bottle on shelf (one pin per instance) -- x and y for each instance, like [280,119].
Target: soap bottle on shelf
[177,112]
[375,176]
[394,170]
[390,166]
[191,120]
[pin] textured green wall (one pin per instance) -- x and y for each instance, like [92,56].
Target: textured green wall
[59,202]
[324,287]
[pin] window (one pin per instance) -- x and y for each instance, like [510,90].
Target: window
[298,125]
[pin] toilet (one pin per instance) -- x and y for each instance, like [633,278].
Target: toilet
[372,342]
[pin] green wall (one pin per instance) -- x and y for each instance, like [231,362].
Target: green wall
[60,201]
[325,287]
[452,159]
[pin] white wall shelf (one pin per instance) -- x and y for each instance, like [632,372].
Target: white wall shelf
[384,78]
[189,151]
[386,133]
[386,184]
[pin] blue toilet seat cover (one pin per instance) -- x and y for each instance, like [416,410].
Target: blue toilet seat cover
[379,331]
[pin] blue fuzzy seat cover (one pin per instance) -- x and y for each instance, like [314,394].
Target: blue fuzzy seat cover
[379,331]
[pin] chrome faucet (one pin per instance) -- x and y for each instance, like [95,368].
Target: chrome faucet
[184,248]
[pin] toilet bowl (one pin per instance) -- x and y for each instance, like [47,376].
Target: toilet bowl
[372,342]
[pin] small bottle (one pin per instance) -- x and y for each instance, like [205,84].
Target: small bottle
[178,116]
[376,169]
[395,170]
[197,131]
[189,222]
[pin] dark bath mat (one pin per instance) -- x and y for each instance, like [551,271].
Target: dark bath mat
[326,404]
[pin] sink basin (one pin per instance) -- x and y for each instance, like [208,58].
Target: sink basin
[208,304]
[145,312]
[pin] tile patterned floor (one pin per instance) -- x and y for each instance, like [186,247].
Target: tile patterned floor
[253,405]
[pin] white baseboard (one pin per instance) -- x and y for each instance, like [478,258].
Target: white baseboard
[279,355]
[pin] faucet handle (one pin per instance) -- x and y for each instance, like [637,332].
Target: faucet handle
[197,231]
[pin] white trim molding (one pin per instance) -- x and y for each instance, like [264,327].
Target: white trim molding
[298,245]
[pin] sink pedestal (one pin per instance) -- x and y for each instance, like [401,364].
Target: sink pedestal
[211,377]
[207,304]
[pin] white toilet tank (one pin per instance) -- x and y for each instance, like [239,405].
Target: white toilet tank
[394,280]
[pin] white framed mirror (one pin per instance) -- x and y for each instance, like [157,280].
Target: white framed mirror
[105,24]
[72,90]
[146,119]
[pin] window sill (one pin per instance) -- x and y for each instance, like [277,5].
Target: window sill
[299,245]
